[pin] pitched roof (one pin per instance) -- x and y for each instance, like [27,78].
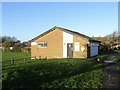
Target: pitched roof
[66,30]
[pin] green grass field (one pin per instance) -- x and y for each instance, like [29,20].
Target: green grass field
[14,55]
[54,74]
[57,73]
[118,59]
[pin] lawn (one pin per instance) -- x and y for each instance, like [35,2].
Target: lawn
[14,55]
[118,59]
[54,74]
[51,73]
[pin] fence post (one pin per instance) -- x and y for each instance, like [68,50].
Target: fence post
[24,59]
[39,57]
[12,61]
[35,57]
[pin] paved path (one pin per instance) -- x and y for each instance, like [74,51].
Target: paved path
[111,74]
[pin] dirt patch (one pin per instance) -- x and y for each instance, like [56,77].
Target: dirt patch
[111,74]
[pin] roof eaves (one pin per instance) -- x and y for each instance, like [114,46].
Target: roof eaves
[68,31]
[92,40]
[75,33]
[43,34]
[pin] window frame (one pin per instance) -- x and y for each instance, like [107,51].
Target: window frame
[43,45]
[77,46]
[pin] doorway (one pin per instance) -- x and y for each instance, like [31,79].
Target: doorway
[69,50]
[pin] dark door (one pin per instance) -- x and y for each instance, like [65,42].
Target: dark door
[88,51]
[69,50]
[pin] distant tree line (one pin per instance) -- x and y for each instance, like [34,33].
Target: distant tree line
[12,44]
[111,41]
[108,42]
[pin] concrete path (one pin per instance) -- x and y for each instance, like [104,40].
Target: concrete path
[111,74]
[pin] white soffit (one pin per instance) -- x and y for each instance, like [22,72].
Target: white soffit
[33,43]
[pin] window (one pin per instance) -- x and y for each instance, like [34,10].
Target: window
[77,46]
[42,44]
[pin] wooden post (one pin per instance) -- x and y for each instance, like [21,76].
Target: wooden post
[24,59]
[39,57]
[35,58]
[12,61]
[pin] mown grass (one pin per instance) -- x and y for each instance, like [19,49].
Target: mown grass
[54,74]
[14,55]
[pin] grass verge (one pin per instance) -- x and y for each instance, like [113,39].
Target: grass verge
[14,55]
[54,74]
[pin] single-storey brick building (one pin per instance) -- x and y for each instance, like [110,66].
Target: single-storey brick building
[63,43]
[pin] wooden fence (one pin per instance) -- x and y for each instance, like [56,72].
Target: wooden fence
[18,61]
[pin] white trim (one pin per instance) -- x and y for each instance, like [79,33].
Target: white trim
[33,43]
[67,38]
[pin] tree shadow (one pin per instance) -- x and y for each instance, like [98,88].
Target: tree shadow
[39,76]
